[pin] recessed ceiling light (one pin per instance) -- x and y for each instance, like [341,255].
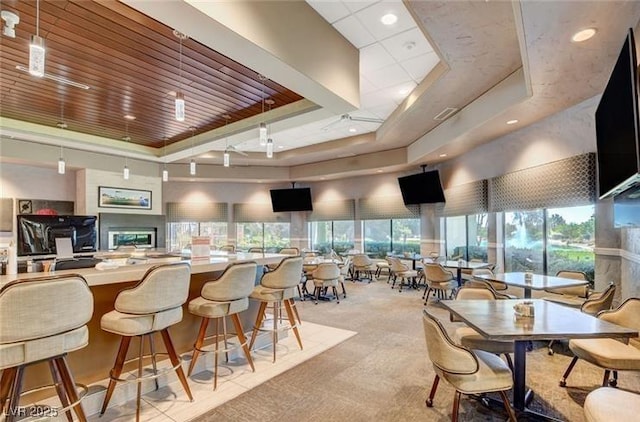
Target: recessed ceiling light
[389,19]
[583,35]
[443,155]
[380,170]
[322,178]
[129,117]
[353,130]
[512,122]
[172,93]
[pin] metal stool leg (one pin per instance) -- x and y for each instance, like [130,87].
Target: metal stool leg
[152,350]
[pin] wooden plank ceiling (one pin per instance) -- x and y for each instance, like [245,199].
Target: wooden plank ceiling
[132,65]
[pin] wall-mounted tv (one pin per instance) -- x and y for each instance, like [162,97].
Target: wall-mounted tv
[421,188]
[626,208]
[291,200]
[37,233]
[617,125]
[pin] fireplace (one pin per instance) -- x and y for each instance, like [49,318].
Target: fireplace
[139,237]
[142,231]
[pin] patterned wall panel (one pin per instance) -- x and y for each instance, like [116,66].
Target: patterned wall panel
[385,207]
[258,213]
[467,199]
[200,212]
[333,210]
[564,183]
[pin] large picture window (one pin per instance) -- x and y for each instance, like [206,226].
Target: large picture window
[466,237]
[271,237]
[179,234]
[327,235]
[382,237]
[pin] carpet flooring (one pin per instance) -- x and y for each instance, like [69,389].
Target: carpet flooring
[384,374]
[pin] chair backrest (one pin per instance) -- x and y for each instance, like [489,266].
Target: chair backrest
[287,274]
[227,248]
[435,273]
[396,265]
[625,315]
[43,307]
[361,260]
[345,266]
[326,271]
[256,250]
[290,251]
[475,293]
[600,302]
[162,287]
[443,352]
[580,291]
[482,271]
[236,282]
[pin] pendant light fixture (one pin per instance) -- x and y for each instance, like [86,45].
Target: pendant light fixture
[226,158]
[269,102]
[192,164]
[36,48]
[126,138]
[165,172]
[180,105]
[262,128]
[62,125]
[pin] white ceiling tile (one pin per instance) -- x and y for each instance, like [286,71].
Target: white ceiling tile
[331,11]
[366,86]
[354,32]
[355,5]
[407,45]
[370,18]
[420,66]
[374,57]
[374,99]
[384,110]
[388,76]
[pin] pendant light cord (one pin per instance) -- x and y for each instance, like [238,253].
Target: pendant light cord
[180,67]
[37,18]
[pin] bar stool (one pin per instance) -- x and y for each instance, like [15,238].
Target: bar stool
[43,319]
[228,295]
[153,305]
[278,287]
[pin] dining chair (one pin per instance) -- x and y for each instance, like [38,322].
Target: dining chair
[439,280]
[227,248]
[609,353]
[363,264]
[574,291]
[596,303]
[326,274]
[486,284]
[606,404]
[469,372]
[399,270]
[497,285]
[470,338]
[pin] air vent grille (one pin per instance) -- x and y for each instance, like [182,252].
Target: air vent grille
[445,114]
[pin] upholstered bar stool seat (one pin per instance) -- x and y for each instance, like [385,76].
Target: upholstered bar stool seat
[225,296]
[278,288]
[151,306]
[42,319]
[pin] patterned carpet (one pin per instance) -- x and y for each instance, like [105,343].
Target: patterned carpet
[383,373]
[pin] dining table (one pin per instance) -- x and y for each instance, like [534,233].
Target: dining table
[462,264]
[535,282]
[497,320]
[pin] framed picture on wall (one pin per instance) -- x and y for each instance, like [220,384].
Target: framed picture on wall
[109,197]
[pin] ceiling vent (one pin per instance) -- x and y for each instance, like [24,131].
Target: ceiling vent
[445,114]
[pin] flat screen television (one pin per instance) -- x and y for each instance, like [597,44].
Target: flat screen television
[37,233]
[421,188]
[617,123]
[291,200]
[626,208]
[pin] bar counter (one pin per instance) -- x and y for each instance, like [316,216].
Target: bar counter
[93,363]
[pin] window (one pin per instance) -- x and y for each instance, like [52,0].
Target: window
[384,236]
[466,236]
[270,236]
[524,241]
[570,239]
[179,234]
[327,235]
[547,241]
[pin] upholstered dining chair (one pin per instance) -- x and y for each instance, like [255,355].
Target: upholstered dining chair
[470,338]
[468,372]
[596,303]
[227,248]
[363,264]
[399,270]
[437,279]
[486,284]
[571,292]
[497,285]
[608,353]
[345,272]
[326,274]
[606,404]
[256,250]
